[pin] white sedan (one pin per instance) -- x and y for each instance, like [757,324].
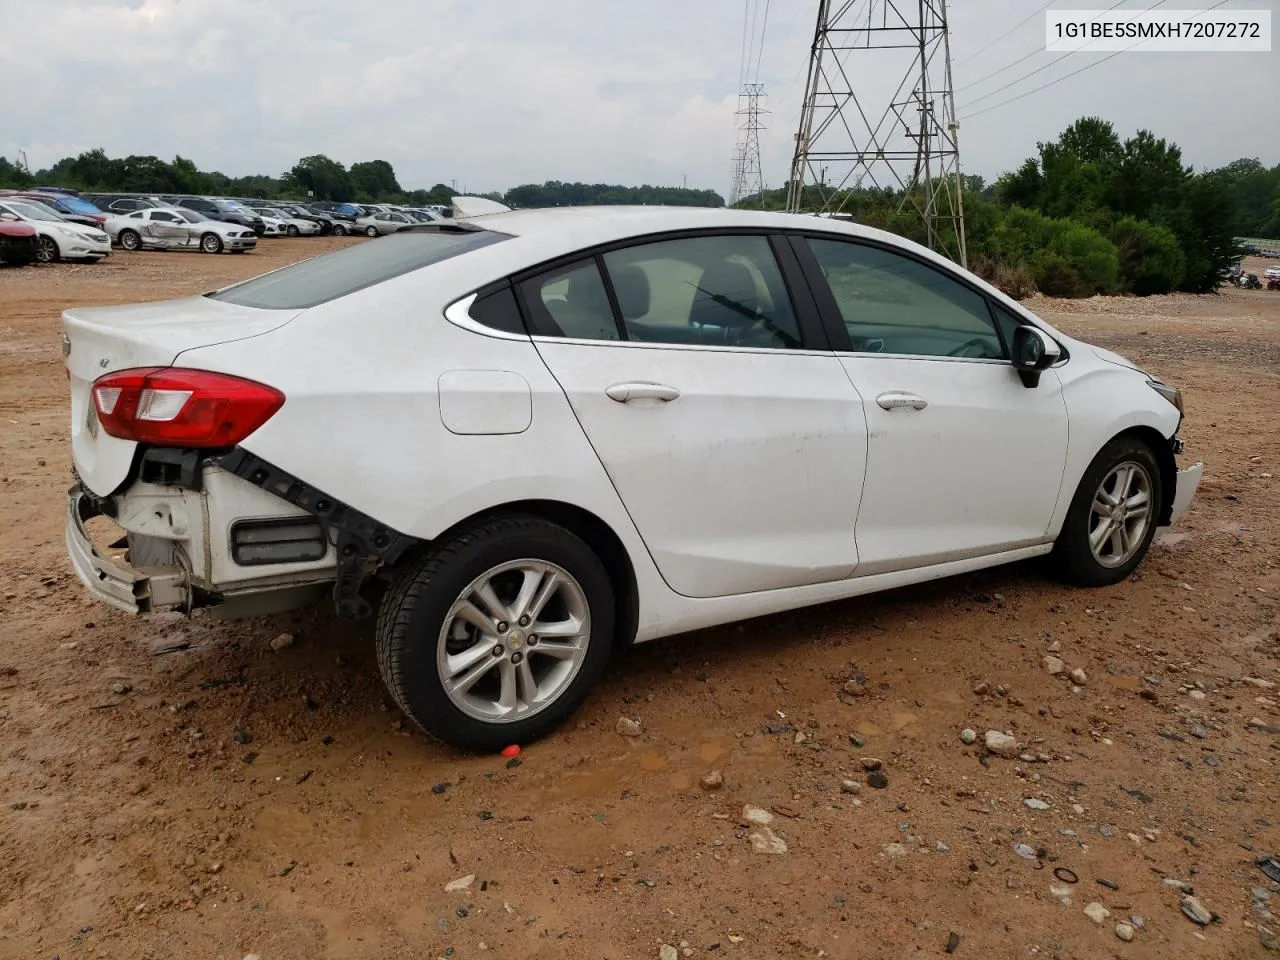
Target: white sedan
[553,432]
[56,238]
[293,226]
[177,228]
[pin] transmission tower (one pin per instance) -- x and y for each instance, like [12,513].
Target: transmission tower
[748,178]
[853,138]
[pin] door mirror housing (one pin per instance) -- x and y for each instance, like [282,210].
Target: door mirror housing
[1033,351]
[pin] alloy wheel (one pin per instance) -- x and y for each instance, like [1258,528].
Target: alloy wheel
[1120,514]
[513,640]
[47,250]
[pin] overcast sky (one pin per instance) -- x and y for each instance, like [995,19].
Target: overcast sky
[493,94]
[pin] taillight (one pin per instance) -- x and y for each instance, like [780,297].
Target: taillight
[172,407]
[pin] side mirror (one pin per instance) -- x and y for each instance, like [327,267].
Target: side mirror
[1033,351]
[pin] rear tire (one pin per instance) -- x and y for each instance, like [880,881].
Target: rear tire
[339,230]
[436,628]
[1113,515]
[370,231]
[130,240]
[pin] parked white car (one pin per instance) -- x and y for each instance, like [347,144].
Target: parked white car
[293,226]
[177,228]
[382,223]
[558,431]
[275,227]
[56,238]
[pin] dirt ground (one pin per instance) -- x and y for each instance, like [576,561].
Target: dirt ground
[175,788]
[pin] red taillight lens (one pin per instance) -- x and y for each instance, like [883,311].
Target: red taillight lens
[171,407]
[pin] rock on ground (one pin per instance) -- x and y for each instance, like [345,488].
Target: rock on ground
[1001,744]
[765,840]
[628,727]
[1053,665]
[1096,912]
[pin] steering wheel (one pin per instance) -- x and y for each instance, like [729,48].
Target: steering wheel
[977,347]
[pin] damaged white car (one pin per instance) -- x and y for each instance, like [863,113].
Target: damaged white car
[554,432]
[177,228]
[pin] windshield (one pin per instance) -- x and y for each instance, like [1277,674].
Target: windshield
[233,207]
[334,275]
[78,205]
[34,211]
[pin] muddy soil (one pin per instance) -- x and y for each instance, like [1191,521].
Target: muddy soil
[178,788]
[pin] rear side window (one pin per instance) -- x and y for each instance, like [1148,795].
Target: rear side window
[334,275]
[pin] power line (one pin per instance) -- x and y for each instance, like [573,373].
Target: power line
[1087,66]
[1056,60]
[764,26]
[1005,34]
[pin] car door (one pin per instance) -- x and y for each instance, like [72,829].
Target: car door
[963,459]
[168,228]
[722,418]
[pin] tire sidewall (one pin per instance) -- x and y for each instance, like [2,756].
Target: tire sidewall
[371,231]
[421,613]
[204,240]
[1073,549]
[134,240]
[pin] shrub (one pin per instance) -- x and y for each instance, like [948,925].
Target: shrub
[1150,259]
[1015,280]
[1058,277]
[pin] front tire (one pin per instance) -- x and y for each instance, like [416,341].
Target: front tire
[497,635]
[47,250]
[1113,516]
[291,230]
[210,243]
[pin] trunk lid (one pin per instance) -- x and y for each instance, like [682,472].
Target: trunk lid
[101,340]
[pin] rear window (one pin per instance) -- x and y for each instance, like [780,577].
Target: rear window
[334,275]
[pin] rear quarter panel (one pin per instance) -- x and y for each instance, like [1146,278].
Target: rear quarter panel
[362,419]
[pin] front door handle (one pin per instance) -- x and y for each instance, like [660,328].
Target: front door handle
[895,400]
[641,390]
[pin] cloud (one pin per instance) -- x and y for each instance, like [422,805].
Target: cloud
[495,94]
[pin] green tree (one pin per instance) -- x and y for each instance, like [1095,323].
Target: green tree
[374,180]
[1150,259]
[325,179]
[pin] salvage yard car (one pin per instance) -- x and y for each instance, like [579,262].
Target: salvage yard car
[177,228]
[18,244]
[553,432]
[57,238]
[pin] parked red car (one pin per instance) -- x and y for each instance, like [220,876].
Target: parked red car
[17,243]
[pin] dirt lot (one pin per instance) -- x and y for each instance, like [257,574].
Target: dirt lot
[176,788]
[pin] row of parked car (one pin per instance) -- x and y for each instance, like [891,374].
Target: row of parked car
[50,224]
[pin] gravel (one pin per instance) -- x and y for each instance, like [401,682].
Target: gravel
[968,736]
[1195,911]
[1124,932]
[628,727]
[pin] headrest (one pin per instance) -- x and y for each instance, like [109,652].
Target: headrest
[631,287]
[726,296]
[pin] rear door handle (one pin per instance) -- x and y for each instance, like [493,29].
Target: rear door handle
[896,399]
[641,390]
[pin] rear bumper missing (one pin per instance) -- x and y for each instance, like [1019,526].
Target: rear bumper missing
[133,590]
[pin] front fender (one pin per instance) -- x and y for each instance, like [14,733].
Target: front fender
[1103,401]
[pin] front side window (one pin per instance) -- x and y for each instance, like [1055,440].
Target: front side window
[893,304]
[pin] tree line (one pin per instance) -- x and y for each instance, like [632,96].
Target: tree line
[320,178]
[1092,214]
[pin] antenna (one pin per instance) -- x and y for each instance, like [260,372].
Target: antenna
[852,138]
[748,178]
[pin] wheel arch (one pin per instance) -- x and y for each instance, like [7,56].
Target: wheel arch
[1163,452]
[595,532]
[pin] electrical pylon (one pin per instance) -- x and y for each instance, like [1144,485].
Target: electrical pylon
[748,178]
[853,138]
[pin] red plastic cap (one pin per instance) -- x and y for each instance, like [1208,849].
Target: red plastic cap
[172,407]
